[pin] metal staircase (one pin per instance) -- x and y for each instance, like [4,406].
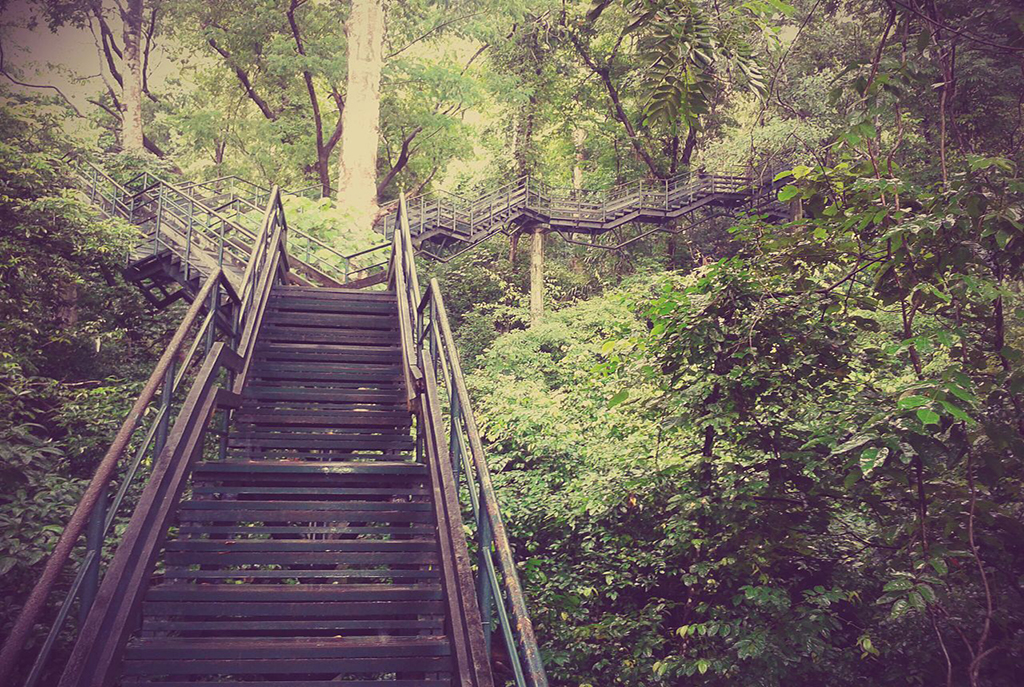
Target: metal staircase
[301,514]
[444,225]
[189,229]
[292,497]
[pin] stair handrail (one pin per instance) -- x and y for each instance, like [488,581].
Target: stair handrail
[347,259]
[267,265]
[92,510]
[497,578]
[543,195]
[497,582]
[403,280]
[463,621]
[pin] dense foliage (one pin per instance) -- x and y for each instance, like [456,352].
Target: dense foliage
[74,340]
[733,451]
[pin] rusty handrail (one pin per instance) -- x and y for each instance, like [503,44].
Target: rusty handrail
[105,471]
[461,452]
[269,239]
[513,616]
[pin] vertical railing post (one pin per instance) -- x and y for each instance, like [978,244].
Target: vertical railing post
[188,240]
[159,217]
[232,338]
[454,445]
[94,546]
[220,247]
[211,332]
[484,591]
[166,397]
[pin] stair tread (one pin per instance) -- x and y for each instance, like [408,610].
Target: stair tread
[290,593]
[292,683]
[288,647]
[383,467]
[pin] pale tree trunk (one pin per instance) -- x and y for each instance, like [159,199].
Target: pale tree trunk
[578,137]
[537,275]
[357,174]
[131,98]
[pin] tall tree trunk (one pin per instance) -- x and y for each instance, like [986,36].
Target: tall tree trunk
[131,129]
[357,175]
[579,136]
[537,275]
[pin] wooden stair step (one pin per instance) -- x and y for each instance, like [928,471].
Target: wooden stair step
[293,626]
[321,456]
[281,609]
[305,545]
[333,294]
[328,667]
[297,530]
[324,516]
[325,352]
[288,304]
[321,418]
[313,467]
[362,337]
[251,574]
[386,320]
[296,392]
[292,593]
[212,504]
[329,373]
[299,440]
[406,490]
[292,683]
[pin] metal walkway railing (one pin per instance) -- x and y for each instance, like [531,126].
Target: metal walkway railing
[200,222]
[448,443]
[447,220]
[449,438]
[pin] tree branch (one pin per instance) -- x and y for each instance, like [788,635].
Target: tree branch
[16,82]
[109,46]
[604,73]
[243,79]
[311,90]
[400,163]
[145,56]
[437,28]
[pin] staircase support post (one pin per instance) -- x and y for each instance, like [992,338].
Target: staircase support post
[537,275]
[94,546]
[188,240]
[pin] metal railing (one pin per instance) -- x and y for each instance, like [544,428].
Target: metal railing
[196,220]
[97,512]
[447,433]
[472,220]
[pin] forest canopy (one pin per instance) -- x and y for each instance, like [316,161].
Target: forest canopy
[781,444]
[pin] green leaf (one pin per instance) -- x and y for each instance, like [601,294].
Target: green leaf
[928,417]
[618,398]
[911,402]
[901,584]
[869,460]
[788,193]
